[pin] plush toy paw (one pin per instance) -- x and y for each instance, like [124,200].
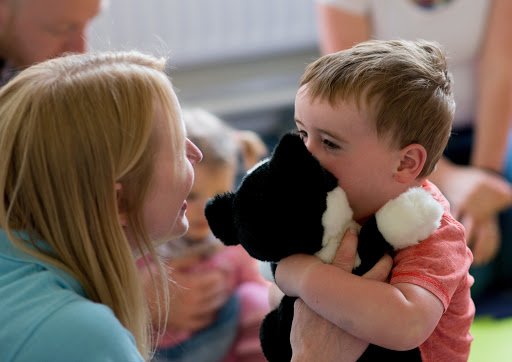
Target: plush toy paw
[410,218]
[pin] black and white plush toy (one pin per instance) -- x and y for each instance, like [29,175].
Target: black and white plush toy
[290,204]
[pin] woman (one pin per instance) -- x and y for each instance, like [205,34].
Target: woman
[95,172]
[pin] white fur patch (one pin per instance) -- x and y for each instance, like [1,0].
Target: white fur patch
[266,270]
[265,160]
[336,219]
[410,218]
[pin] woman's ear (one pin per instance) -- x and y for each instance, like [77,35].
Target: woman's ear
[412,160]
[123,216]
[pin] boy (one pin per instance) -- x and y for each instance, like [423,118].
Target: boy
[378,117]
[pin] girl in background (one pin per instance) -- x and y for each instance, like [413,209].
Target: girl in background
[219,298]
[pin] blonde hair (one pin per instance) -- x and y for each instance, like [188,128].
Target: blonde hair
[407,82]
[220,143]
[70,129]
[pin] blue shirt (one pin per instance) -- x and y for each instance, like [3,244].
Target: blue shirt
[46,316]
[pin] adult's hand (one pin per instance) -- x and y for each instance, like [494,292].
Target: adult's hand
[476,192]
[484,238]
[476,197]
[314,338]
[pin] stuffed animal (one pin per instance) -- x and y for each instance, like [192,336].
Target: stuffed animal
[290,204]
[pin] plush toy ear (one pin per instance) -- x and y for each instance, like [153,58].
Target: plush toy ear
[291,157]
[219,213]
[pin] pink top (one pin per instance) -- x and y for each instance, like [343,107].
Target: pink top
[240,269]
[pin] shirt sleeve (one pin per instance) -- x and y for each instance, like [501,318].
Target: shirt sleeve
[81,331]
[359,7]
[438,264]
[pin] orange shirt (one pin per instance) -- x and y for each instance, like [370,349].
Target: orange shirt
[440,265]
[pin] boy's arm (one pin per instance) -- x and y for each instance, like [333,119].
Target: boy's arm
[313,338]
[398,317]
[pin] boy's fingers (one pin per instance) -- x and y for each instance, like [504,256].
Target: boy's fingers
[347,250]
[381,270]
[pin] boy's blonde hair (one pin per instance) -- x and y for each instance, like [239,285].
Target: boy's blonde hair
[218,142]
[405,82]
[70,129]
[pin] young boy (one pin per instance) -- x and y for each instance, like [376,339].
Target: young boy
[378,117]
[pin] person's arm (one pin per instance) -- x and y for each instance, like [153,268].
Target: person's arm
[397,317]
[340,30]
[314,338]
[494,116]
[477,194]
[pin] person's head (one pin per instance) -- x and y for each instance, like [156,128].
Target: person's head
[216,173]
[32,31]
[378,116]
[95,163]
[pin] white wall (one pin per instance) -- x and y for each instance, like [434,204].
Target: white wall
[196,32]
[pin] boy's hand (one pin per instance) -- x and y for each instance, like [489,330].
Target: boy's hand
[315,338]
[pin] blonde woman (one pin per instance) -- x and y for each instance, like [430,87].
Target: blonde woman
[95,169]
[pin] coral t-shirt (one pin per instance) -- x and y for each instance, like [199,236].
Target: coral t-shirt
[440,265]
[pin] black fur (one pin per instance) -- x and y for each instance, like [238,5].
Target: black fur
[276,212]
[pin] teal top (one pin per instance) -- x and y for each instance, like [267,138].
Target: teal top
[45,315]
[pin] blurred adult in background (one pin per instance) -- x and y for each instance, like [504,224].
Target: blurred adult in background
[476,171]
[32,31]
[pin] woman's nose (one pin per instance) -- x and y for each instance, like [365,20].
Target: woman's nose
[193,153]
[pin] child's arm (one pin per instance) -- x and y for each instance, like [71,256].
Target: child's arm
[398,317]
[315,338]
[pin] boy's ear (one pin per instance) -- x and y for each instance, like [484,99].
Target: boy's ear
[412,160]
[123,217]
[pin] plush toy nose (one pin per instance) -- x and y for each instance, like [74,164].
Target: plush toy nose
[219,213]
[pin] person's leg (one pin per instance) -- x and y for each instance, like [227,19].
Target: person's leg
[210,344]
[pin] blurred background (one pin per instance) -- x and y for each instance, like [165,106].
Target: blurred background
[240,59]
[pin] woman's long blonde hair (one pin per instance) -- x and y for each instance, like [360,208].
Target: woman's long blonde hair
[70,129]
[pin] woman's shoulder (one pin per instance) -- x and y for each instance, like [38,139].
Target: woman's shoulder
[49,318]
[81,330]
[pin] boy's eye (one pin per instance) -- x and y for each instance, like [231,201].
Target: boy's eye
[303,135]
[331,145]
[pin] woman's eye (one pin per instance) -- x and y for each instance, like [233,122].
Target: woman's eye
[303,135]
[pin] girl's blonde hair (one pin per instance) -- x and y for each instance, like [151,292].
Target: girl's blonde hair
[219,143]
[70,129]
